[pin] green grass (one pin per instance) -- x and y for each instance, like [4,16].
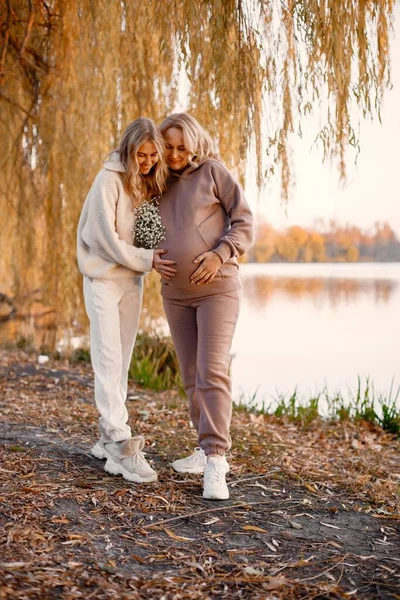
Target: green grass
[295,410]
[362,405]
[154,363]
[79,355]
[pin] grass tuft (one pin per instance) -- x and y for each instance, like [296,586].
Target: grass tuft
[362,405]
[296,410]
[154,363]
[80,355]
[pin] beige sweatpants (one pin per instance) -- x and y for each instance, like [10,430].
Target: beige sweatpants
[202,330]
[113,308]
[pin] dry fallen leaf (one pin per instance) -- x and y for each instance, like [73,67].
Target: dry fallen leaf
[310,488]
[329,525]
[253,571]
[178,538]
[270,546]
[254,528]
[211,521]
[44,498]
[334,544]
[274,583]
[61,520]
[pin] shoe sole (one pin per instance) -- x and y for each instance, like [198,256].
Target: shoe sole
[193,470]
[208,496]
[114,468]
[99,452]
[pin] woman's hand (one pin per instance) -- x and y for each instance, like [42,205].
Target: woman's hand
[210,262]
[162,265]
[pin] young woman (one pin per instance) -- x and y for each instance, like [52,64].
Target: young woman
[112,270]
[208,225]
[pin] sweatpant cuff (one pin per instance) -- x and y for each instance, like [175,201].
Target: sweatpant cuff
[120,437]
[115,436]
[214,450]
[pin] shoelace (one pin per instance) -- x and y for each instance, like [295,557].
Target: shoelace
[197,456]
[138,460]
[214,475]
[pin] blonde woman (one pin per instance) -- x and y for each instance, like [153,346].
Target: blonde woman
[112,270]
[208,225]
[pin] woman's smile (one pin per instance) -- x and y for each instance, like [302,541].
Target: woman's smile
[147,157]
[176,154]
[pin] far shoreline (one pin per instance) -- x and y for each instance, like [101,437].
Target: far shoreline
[358,270]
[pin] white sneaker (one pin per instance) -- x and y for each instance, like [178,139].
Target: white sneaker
[194,463]
[99,450]
[127,459]
[215,487]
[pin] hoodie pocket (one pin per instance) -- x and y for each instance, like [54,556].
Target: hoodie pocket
[212,230]
[183,245]
[214,227]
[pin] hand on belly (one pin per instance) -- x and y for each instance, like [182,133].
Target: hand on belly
[209,264]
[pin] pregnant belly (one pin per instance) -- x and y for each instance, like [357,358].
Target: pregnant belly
[183,246]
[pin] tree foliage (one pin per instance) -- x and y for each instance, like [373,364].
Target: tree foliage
[334,243]
[73,73]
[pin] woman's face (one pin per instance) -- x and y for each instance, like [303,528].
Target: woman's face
[147,156]
[176,155]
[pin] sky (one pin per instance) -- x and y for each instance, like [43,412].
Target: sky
[372,190]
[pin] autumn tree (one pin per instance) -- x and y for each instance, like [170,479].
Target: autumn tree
[73,73]
[264,247]
[316,247]
[337,243]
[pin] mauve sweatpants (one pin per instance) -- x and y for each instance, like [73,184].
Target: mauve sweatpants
[202,330]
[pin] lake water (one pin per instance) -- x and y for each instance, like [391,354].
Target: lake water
[301,326]
[311,326]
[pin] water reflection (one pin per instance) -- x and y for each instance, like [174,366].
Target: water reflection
[308,327]
[260,289]
[333,287]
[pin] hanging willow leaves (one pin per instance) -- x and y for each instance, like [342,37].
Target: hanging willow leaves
[73,73]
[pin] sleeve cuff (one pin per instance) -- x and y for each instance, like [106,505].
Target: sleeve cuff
[149,257]
[224,251]
[144,262]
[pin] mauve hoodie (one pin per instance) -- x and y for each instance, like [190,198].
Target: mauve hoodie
[203,209]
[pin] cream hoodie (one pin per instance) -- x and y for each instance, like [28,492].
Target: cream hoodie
[105,231]
[204,209]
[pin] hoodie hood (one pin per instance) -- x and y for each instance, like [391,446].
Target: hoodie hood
[114,163]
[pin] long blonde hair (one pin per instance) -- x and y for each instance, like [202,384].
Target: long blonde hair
[197,141]
[142,187]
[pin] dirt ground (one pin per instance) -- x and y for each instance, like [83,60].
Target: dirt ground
[313,512]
